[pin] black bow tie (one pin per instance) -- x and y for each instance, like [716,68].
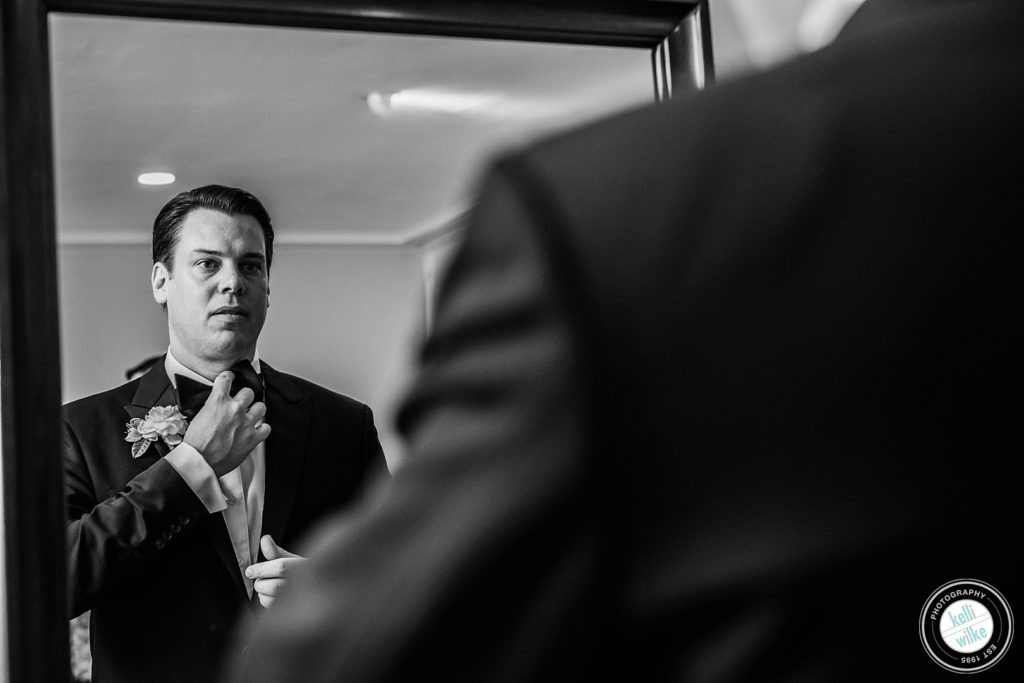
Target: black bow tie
[192,395]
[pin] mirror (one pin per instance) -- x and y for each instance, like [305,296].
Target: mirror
[362,145]
[400,240]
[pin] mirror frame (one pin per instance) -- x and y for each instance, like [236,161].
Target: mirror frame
[676,31]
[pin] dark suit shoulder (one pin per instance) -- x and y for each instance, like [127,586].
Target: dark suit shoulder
[101,403]
[295,388]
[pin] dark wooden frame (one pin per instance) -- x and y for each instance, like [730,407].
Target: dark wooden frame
[676,31]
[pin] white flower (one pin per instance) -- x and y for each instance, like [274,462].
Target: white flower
[165,422]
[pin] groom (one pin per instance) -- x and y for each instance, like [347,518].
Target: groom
[185,487]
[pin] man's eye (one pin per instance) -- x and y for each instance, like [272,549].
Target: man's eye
[206,264]
[253,267]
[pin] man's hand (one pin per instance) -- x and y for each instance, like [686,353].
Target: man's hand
[269,575]
[227,428]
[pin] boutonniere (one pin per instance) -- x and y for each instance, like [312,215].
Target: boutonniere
[165,422]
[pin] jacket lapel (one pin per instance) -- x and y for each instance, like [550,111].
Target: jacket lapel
[288,413]
[154,389]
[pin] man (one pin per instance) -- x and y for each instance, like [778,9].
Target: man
[723,389]
[176,523]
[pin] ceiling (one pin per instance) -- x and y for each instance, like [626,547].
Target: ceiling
[301,118]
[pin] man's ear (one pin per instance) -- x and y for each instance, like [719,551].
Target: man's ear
[159,279]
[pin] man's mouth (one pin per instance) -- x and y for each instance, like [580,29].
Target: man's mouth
[230,312]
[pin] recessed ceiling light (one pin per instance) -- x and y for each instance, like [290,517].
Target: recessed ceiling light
[380,103]
[156,178]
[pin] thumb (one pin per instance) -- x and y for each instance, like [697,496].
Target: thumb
[271,550]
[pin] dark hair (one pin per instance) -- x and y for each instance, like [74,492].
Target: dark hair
[229,200]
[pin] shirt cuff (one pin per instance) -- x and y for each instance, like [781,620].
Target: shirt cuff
[199,476]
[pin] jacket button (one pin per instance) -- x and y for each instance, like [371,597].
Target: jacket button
[183,520]
[175,528]
[159,544]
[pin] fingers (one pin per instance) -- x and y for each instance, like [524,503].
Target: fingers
[222,384]
[256,414]
[271,550]
[222,389]
[257,411]
[267,590]
[245,396]
[268,577]
[273,569]
[268,587]
[262,431]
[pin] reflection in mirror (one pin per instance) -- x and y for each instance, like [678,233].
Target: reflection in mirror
[364,148]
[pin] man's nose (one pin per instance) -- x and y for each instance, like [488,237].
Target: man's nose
[231,280]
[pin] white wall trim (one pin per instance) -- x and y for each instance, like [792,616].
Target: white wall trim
[417,236]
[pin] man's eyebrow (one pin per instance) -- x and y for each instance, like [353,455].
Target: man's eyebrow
[214,252]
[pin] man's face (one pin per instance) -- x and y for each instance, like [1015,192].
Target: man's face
[218,291]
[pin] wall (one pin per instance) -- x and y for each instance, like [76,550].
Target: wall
[346,317]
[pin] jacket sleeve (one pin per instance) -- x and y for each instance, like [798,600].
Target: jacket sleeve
[110,540]
[484,532]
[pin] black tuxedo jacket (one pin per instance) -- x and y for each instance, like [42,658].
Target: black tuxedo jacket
[718,390]
[156,569]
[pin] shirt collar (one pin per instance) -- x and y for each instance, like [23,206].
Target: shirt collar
[174,367]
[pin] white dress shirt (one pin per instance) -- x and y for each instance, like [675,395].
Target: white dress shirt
[238,495]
